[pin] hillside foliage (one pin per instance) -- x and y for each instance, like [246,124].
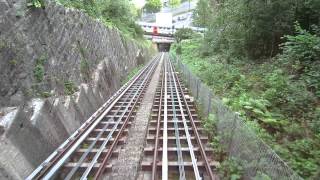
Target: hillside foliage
[174,3]
[121,14]
[263,59]
[153,6]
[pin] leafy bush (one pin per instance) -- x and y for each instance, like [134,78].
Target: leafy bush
[174,3]
[201,14]
[242,28]
[276,89]
[290,96]
[262,176]
[184,33]
[303,47]
[70,87]
[303,156]
[210,125]
[45,94]
[132,73]
[120,13]
[85,68]
[36,3]
[230,169]
[38,70]
[303,51]
[153,6]
[178,49]
[13,62]
[277,102]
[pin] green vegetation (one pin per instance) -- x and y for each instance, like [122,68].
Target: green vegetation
[174,3]
[153,6]
[252,29]
[267,71]
[85,68]
[84,63]
[230,168]
[201,14]
[184,33]
[45,94]
[35,3]
[121,14]
[132,73]
[3,44]
[13,62]
[38,71]
[70,87]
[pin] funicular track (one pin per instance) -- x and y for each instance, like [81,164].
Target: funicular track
[176,146]
[88,152]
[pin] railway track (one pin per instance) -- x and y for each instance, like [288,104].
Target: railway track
[176,146]
[88,152]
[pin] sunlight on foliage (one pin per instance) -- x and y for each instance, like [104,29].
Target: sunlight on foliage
[120,13]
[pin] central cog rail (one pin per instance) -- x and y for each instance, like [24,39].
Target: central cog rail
[85,154]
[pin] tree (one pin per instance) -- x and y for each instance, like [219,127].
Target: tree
[119,13]
[184,33]
[153,6]
[174,3]
[117,10]
[253,28]
[308,13]
[202,13]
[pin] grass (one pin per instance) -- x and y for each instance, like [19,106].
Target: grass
[132,73]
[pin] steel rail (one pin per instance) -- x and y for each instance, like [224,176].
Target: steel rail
[74,169]
[155,155]
[78,142]
[104,162]
[193,158]
[93,143]
[175,119]
[165,124]
[61,150]
[84,156]
[94,160]
[203,153]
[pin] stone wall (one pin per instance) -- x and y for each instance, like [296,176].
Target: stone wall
[71,48]
[67,40]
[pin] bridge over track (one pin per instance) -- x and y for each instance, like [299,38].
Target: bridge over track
[163,36]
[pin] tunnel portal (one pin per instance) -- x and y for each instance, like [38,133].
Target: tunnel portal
[163,47]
